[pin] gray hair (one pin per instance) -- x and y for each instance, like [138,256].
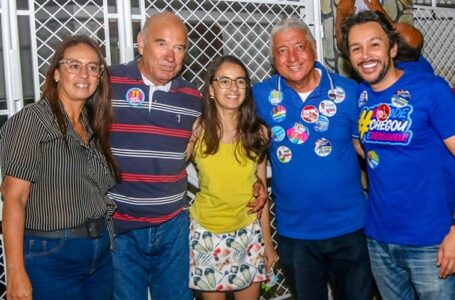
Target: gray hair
[290,23]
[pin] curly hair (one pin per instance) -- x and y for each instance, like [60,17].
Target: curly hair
[250,128]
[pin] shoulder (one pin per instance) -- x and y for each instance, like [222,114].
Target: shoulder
[265,85]
[344,82]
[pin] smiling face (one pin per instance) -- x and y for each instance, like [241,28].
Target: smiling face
[371,55]
[79,86]
[163,48]
[228,99]
[294,56]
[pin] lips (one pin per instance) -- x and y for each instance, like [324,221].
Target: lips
[82,85]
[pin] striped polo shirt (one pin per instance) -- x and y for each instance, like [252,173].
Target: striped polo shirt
[149,138]
[69,184]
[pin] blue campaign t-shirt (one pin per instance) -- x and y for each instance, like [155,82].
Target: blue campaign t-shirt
[315,172]
[411,171]
[421,65]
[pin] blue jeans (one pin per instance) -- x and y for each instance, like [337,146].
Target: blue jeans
[309,265]
[69,268]
[154,257]
[409,272]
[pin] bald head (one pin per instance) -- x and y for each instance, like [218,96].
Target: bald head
[410,35]
[161,19]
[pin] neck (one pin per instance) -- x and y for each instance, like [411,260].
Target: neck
[308,83]
[392,75]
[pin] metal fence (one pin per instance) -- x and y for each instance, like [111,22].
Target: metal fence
[437,23]
[32,28]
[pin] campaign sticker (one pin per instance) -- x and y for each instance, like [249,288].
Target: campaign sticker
[337,94]
[383,112]
[297,134]
[363,98]
[309,114]
[275,97]
[372,159]
[284,154]
[327,108]
[323,147]
[278,113]
[398,101]
[322,124]
[404,94]
[278,133]
[135,96]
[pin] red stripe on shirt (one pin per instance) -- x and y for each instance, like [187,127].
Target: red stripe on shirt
[130,177]
[189,91]
[117,79]
[149,129]
[162,219]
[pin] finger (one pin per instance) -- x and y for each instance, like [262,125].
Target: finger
[443,268]
[440,257]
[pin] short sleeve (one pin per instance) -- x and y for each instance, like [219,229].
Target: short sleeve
[442,108]
[20,149]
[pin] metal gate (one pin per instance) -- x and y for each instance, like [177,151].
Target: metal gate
[436,20]
[32,28]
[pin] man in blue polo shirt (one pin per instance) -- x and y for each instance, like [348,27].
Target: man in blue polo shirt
[319,202]
[407,130]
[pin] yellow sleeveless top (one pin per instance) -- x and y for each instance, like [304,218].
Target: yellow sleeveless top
[226,186]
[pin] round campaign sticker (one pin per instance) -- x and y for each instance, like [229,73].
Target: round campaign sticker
[309,114]
[363,98]
[275,97]
[135,96]
[327,108]
[372,159]
[297,134]
[337,94]
[323,147]
[284,154]
[322,124]
[278,133]
[398,101]
[278,113]
[382,112]
[405,94]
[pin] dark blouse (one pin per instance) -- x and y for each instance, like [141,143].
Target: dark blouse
[69,183]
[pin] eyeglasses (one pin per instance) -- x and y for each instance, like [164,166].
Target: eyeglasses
[74,67]
[225,82]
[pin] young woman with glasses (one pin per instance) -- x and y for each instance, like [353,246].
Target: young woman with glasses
[230,250]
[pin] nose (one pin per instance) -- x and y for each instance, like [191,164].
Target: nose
[170,55]
[83,72]
[292,55]
[234,86]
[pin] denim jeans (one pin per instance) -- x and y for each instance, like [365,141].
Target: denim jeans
[69,268]
[409,272]
[154,257]
[309,265]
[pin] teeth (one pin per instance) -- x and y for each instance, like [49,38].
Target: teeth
[369,65]
[82,85]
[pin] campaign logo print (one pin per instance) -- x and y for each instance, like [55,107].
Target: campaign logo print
[323,147]
[328,108]
[297,134]
[372,159]
[309,114]
[363,98]
[278,133]
[384,124]
[401,98]
[284,154]
[135,96]
[279,113]
[275,97]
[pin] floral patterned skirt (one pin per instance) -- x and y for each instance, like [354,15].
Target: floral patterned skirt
[226,261]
